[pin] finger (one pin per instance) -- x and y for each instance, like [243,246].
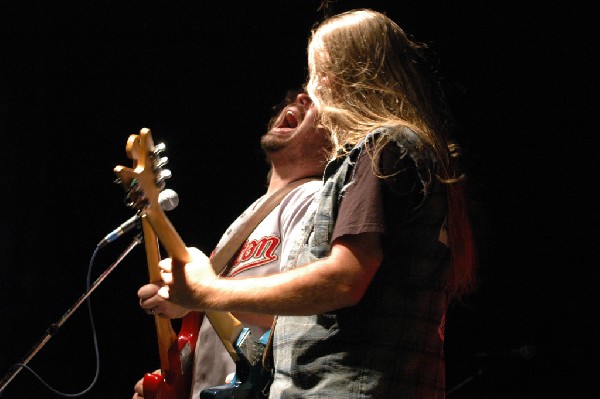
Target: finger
[197,255]
[152,303]
[148,307]
[149,303]
[164,292]
[139,389]
[167,278]
[161,315]
[157,312]
[147,291]
[165,264]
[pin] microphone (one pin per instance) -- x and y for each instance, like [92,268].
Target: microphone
[168,200]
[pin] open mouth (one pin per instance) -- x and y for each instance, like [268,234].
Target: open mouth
[290,120]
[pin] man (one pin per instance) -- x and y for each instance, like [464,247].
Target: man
[296,148]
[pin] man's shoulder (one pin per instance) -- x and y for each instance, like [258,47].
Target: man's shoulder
[303,192]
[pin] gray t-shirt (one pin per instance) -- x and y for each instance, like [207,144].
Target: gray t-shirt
[260,255]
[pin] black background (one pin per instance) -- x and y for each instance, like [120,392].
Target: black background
[79,77]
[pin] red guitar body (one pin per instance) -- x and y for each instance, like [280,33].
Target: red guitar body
[176,381]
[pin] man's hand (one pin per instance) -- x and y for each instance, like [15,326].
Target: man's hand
[138,389]
[154,304]
[186,284]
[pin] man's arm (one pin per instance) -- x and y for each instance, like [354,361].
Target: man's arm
[338,281]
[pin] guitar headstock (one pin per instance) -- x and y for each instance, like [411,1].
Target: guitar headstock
[146,179]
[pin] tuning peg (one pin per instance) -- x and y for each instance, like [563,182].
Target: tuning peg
[161,177]
[158,148]
[161,162]
[164,174]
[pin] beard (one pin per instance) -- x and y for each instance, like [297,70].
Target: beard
[270,144]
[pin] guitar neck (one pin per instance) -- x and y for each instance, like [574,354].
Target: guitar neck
[167,234]
[164,330]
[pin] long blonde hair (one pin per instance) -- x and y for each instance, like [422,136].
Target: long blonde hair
[366,72]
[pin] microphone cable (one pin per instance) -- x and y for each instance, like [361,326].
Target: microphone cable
[94,336]
[55,327]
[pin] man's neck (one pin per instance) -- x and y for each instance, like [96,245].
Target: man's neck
[281,176]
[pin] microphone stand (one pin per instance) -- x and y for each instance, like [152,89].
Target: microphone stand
[466,381]
[55,327]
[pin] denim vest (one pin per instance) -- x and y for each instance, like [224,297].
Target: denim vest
[362,351]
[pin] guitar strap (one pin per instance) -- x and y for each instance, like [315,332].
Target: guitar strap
[223,256]
[267,357]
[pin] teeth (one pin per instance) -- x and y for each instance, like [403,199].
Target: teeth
[290,118]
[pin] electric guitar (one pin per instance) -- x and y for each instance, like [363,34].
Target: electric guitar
[143,183]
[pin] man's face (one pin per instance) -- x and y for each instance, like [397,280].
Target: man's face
[295,130]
